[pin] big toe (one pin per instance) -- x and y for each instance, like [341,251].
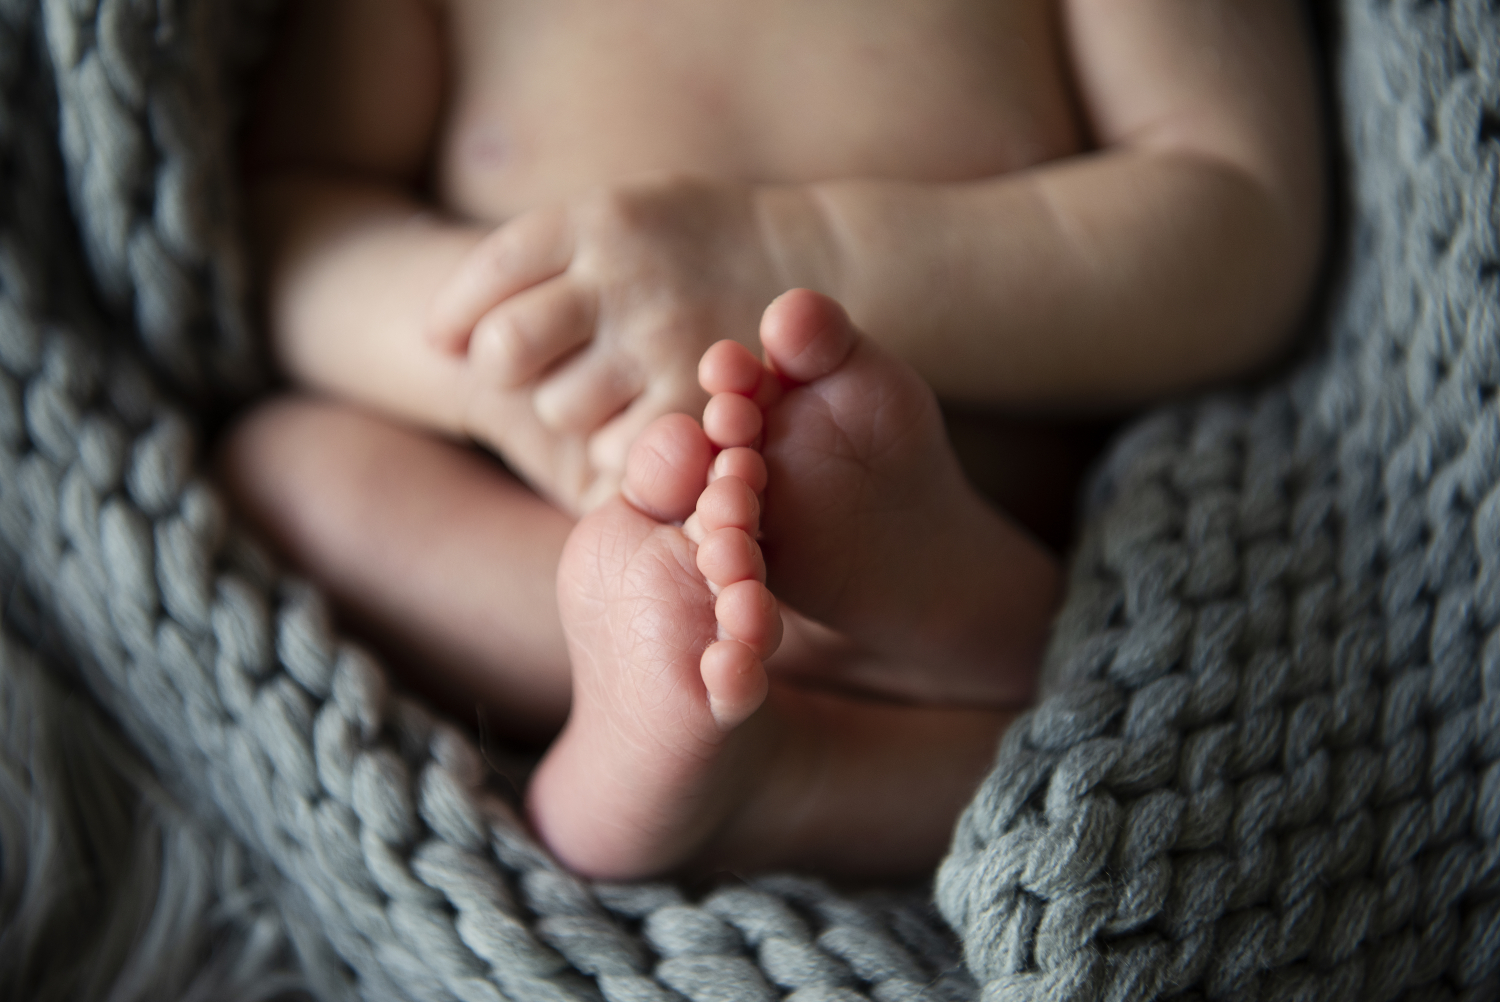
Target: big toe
[806,335]
[667,468]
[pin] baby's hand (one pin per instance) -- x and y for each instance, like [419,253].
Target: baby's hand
[583,322]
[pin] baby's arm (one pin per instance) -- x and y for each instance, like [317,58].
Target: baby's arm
[346,116]
[345,123]
[1180,252]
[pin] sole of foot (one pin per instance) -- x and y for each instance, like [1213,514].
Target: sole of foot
[915,587]
[681,752]
[668,623]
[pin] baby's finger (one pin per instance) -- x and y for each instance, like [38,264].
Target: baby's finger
[532,331]
[530,249]
[585,393]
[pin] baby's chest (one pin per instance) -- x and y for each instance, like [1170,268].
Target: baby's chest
[550,97]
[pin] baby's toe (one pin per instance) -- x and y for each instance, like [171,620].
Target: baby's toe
[731,420]
[729,555]
[806,335]
[746,464]
[728,502]
[747,612]
[736,682]
[728,367]
[667,468]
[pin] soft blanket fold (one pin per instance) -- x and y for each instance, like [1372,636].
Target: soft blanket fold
[1268,760]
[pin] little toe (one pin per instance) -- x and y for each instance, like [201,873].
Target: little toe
[747,612]
[806,335]
[735,680]
[667,467]
[747,464]
[727,556]
[731,420]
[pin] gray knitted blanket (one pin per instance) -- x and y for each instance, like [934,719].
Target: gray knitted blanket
[1268,760]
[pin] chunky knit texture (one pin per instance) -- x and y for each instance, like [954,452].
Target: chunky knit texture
[1268,763]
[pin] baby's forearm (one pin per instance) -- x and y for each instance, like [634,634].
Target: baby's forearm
[1181,252]
[351,269]
[1094,283]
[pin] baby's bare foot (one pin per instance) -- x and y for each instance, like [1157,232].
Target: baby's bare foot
[869,525]
[668,621]
[678,753]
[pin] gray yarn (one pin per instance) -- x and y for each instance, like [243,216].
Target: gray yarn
[148,144]
[1269,762]
[1266,766]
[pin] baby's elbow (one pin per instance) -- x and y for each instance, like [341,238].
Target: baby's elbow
[1296,233]
[1277,242]
[1288,191]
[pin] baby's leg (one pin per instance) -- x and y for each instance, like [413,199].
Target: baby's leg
[429,547]
[676,754]
[870,526]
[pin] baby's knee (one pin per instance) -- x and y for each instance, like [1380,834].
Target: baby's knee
[292,466]
[272,444]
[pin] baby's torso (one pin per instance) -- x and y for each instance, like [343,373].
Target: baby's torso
[548,98]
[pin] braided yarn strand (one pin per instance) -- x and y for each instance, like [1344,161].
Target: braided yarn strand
[1269,763]
[147,137]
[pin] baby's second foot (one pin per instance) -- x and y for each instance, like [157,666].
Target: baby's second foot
[869,525]
[667,626]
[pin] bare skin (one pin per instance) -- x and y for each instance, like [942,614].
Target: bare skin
[388,520]
[523,223]
[1073,205]
[681,748]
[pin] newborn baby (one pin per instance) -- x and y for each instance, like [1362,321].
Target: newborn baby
[525,223]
